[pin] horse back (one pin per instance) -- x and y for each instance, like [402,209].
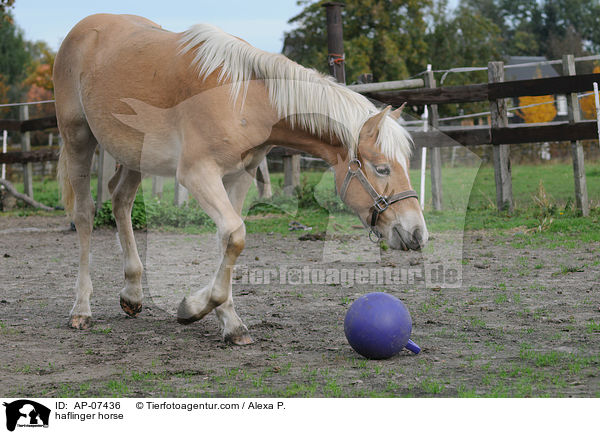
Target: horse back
[107,60]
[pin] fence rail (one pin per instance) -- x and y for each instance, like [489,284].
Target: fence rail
[488,91]
[23,157]
[512,135]
[29,124]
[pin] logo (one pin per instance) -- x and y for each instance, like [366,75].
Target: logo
[26,413]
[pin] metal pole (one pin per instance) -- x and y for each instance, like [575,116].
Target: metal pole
[597,101]
[425,118]
[4,139]
[335,40]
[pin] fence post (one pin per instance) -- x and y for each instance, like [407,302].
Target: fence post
[180,195]
[291,173]
[106,169]
[581,195]
[157,186]
[335,40]
[502,171]
[436,156]
[26,146]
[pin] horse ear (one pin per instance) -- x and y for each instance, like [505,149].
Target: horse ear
[373,124]
[396,113]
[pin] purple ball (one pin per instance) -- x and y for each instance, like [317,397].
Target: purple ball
[377,325]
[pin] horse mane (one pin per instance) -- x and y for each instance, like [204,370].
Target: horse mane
[305,97]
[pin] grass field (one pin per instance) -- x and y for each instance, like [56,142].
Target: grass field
[543,200]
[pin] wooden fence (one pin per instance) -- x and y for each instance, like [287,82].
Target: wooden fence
[499,134]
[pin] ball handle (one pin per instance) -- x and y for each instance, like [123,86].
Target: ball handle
[411,346]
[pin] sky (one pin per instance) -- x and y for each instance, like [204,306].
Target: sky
[260,22]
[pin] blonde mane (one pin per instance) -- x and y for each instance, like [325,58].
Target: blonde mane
[305,97]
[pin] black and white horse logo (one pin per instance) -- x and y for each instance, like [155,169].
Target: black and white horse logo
[26,413]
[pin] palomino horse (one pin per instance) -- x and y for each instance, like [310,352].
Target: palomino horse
[207,107]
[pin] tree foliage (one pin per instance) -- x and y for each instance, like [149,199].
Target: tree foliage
[39,71]
[588,102]
[382,37]
[543,27]
[5,6]
[461,37]
[14,56]
[394,39]
[533,113]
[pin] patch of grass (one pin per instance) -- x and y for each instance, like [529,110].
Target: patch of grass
[117,389]
[476,323]
[593,326]
[500,298]
[566,269]
[433,304]
[25,369]
[432,386]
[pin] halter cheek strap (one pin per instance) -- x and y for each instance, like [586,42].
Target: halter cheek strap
[380,202]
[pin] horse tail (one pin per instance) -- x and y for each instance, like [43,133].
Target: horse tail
[67,193]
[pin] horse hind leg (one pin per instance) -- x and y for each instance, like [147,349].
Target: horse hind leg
[123,187]
[79,146]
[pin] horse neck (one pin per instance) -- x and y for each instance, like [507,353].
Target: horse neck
[325,148]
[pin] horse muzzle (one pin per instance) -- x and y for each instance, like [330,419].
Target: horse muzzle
[402,239]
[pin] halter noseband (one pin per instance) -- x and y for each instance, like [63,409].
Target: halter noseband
[380,203]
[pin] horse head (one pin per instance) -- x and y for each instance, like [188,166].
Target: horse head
[376,185]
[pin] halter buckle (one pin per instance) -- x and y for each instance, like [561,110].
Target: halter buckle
[381,203]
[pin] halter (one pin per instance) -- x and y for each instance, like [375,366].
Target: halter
[380,203]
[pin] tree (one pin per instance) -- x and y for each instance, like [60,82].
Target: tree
[5,6]
[543,27]
[588,102]
[4,89]
[14,57]
[382,37]
[545,112]
[39,71]
[461,38]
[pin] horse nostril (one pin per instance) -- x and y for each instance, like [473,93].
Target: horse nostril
[418,238]
[410,240]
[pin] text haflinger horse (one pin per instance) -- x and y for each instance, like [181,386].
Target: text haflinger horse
[206,107]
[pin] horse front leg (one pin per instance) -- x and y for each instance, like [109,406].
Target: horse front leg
[207,187]
[234,330]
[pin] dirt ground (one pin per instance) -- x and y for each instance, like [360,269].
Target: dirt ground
[524,322]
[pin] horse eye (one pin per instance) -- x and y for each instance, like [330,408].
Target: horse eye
[383,170]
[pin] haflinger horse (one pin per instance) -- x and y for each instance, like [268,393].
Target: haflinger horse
[206,107]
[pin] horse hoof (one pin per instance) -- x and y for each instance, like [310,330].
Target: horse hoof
[239,337]
[80,322]
[131,309]
[188,320]
[186,314]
